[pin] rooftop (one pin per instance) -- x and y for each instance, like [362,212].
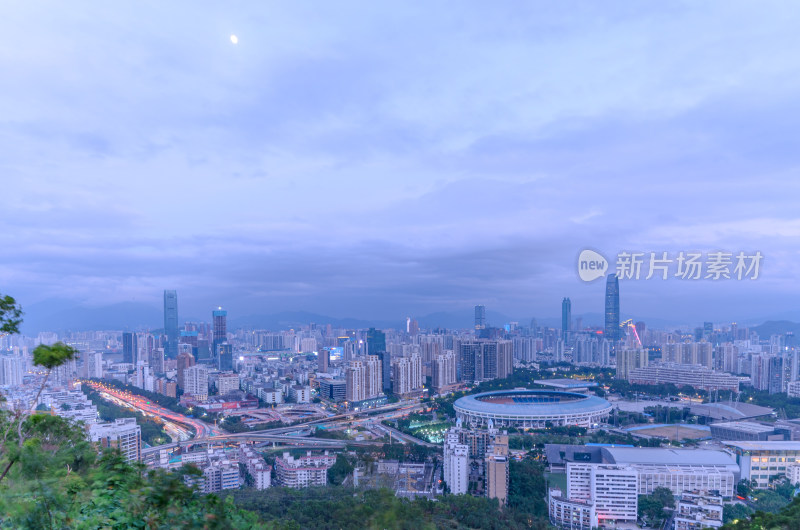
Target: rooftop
[745,426]
[659,455]
[765,446]
[730,411]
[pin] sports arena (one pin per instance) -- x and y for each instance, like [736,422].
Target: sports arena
[526,409]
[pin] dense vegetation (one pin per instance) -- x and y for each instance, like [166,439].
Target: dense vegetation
[343,507]
[62,482]
[787,518]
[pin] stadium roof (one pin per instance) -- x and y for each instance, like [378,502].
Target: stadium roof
[579,403]
[667,456]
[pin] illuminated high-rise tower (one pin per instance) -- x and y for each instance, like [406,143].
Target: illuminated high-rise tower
[612,331]
[171,324]
[220,319]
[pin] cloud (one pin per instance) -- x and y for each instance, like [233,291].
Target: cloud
[358,159]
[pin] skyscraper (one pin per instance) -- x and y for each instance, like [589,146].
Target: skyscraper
[566,317]
[376,345]
[220,319]
[480,317]
[129,347]
[171,324]
[225,357]
[612,331]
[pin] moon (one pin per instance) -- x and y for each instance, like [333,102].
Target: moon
[234,39]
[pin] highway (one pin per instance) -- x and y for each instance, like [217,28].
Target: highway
[201,428]
[176,424]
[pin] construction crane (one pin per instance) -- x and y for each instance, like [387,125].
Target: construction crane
[628,324]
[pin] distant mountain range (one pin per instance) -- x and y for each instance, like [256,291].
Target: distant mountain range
[63,315]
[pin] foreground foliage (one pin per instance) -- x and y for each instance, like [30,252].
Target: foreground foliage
[62,482]
[787,519]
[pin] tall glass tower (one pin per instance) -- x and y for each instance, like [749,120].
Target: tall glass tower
[220,318]
[612,331]
[480,317]
[566,317]
[171,324]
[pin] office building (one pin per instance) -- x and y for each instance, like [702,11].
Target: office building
[566,318]
[333,389]
[225,357]
[220,322]
[480,317]
[123,434]
[130,348]
[765,461]
[171,324]
[612,329]
[376,346]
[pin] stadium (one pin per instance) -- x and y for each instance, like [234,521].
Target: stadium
[528,409]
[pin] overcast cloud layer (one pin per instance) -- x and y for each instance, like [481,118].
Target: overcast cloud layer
[374,159]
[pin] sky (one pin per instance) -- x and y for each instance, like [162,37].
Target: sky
[383,159]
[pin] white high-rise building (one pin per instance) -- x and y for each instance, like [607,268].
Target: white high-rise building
[195,380]
[444,371]
[407,374]
[612,489]
[123,434]
[354,379]
[456,464]
[94,365]
[11,370]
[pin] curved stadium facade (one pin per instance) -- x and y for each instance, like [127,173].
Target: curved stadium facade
[526,409]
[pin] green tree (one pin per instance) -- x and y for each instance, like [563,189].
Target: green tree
[48,357]
[10,315]
[339,470]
